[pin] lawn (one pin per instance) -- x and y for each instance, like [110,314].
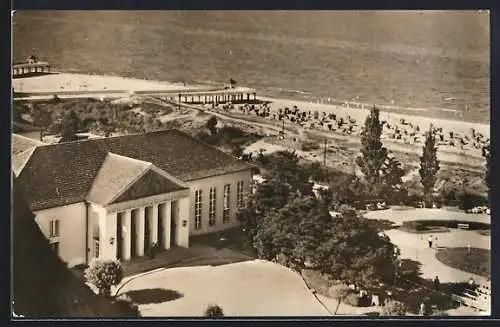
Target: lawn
[439,226]
[478,261]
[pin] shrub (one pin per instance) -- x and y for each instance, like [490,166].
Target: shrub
[393,308]
[127,307]
[352,299]
[103,274]
[214,311]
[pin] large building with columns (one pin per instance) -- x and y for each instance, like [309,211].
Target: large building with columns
[115,197]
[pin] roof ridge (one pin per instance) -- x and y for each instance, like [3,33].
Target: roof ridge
[107,137]
[39,143]
[146,163]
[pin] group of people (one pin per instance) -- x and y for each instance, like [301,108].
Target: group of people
[402,131]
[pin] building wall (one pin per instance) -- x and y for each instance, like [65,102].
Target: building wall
[71,230]
[218,182]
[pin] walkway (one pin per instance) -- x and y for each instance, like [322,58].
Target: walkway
[250,288]
[415,247]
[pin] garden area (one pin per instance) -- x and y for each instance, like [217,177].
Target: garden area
[441,226]
[475,261]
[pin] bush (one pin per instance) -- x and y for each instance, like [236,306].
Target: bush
[127,306]
[214,311]
[352,299]
[422,225]
[469,200]
[103,274]
[317,281]
[393,308]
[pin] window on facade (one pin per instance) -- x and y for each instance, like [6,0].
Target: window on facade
[212,206]
[55,247]
[239,193]
[96,248]
[197,209]
[54,228]
[227,193]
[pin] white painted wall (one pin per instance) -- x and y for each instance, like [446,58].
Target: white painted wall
[182,232]
[71,230]
[219,182]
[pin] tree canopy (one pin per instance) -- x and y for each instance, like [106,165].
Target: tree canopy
[429,165]
[373,153]
[287,223]
[69,127]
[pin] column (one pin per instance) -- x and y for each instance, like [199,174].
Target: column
[182,233]
[102,235]
[139,223]
[111,237]
[154,224]
[167,216]
[127,236]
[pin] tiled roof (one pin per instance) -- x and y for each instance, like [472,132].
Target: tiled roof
[64,173]
[115,174]
[42,285]
[21,143]
[151,183]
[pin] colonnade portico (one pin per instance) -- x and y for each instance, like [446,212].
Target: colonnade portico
[131,232]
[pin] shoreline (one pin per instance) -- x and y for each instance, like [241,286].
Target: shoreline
[75,82]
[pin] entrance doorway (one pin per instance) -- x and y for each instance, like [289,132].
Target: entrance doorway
[161,228]
[147,229]
[174,212]
[133,233]
[119,236]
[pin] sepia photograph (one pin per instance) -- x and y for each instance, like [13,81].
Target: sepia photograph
[236,164]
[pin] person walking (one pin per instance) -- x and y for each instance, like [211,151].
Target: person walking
[422,309]
[430,242]
[436,283]
[436,242]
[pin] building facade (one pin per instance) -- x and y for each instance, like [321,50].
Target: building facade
[117,197]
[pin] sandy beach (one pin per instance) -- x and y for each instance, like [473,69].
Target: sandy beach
[68,82]
[394,118]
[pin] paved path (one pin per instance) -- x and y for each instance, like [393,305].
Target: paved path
[250,288]
[415,247]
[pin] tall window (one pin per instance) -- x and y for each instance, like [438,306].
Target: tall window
[96,248]
[212,206]
[54,228]
[197,209]
[227,193]
[239,193]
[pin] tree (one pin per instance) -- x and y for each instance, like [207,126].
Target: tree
[393,308]
[487,175]
[214,311]
[103,274]
[294,232]
[69,127]
[429,165]
[373,154]
[393,179]
[211,125]
[352,250]
[284,168]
